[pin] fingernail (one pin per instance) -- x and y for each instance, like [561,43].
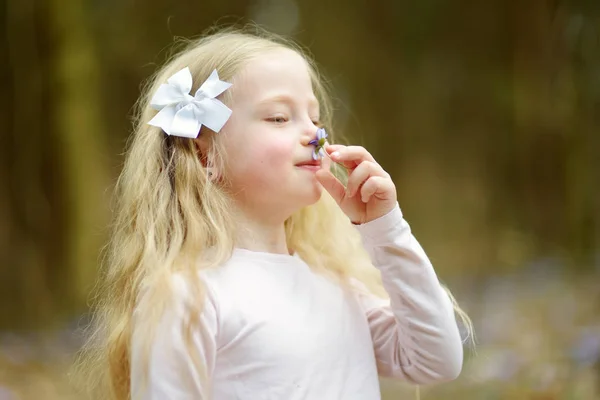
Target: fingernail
[335,154]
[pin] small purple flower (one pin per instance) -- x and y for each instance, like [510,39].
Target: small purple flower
[319,143]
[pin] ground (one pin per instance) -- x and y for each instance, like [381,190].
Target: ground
[538,338]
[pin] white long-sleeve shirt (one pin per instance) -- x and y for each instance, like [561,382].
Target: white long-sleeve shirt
[273,329]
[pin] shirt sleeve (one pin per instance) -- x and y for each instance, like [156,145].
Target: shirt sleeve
[415,335]
[171,371]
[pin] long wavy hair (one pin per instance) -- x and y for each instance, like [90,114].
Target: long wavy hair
[168,214]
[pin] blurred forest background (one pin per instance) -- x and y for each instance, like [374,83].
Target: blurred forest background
[486,113]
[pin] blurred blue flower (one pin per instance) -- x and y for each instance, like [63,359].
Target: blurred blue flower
[586,350]
[7,394]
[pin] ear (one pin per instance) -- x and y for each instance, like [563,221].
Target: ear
[202,146]
[202,149]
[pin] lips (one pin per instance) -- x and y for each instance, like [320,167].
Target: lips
[312,163]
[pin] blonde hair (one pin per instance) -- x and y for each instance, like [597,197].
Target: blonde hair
[168,212]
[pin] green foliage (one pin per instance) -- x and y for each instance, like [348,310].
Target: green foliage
[485,114]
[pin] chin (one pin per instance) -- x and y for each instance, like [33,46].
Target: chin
[306,197]
[312,195]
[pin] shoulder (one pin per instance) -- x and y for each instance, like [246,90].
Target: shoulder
[192,291]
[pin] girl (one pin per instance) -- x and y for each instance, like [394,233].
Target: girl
[240,266]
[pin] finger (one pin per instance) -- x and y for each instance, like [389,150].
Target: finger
[349,155]
[335,188]
[372,186]
[330,148]
[360,174]
[349,165]
[326,163]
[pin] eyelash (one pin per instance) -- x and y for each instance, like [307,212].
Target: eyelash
[284,119]
[277,119]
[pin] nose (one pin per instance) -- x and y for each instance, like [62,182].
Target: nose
[309,133]
[305,139]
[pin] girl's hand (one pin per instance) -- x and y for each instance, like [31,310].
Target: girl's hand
[370,193]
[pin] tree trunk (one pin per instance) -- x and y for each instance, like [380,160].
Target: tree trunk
[25,209]
[80,131]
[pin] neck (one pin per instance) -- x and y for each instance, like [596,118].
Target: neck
[261,233]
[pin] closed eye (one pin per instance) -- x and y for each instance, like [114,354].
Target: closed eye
[278,119]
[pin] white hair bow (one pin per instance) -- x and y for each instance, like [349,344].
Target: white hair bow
[183,115]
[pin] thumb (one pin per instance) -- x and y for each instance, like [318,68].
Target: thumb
[331,184]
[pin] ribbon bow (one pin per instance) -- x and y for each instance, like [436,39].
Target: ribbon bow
[180,114]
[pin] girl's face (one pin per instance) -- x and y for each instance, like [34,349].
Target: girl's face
[275,115]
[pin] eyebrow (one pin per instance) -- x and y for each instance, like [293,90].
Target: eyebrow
[283,98]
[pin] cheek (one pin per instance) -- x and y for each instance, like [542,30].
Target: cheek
[264,160]
[273,151]
[276,153]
